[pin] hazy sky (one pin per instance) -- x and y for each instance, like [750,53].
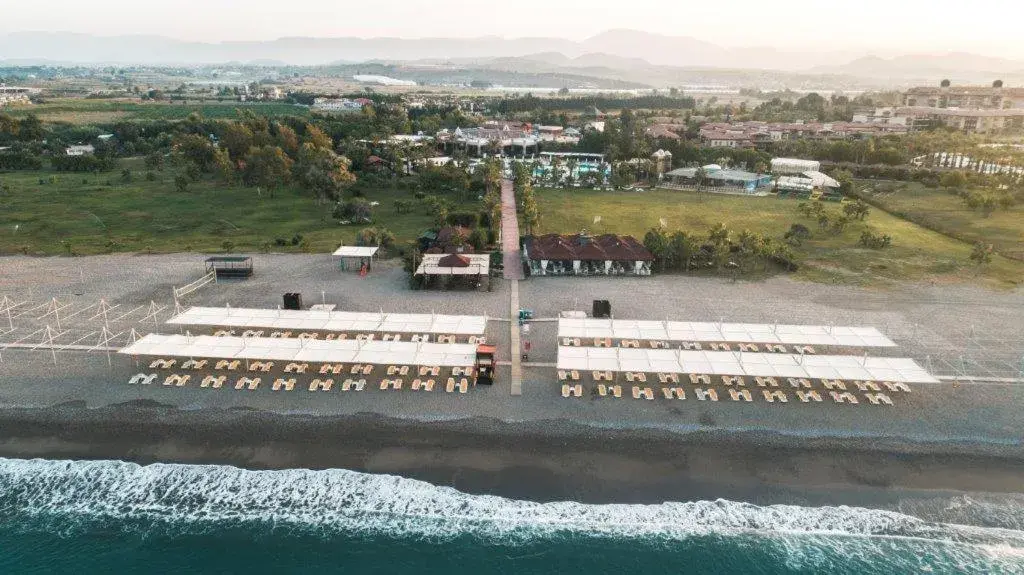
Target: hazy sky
[987,26]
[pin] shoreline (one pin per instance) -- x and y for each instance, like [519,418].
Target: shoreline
[552,460]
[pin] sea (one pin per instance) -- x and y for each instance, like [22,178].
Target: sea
[88,517]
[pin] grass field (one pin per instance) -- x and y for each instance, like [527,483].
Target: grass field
[916,254]
[83,111]
[94,217]
[946,212]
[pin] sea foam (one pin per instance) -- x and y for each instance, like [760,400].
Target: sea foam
[331,501]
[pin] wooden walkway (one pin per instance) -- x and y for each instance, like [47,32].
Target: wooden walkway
[512,260]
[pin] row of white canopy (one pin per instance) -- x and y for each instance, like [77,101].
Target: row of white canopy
[723,332]
[334,321]
[844,367]
[305,350]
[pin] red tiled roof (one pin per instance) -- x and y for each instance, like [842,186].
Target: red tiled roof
[577,247]
[453,261]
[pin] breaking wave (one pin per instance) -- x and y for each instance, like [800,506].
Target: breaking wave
[170,498]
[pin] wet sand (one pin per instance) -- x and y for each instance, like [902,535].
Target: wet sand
[540,461]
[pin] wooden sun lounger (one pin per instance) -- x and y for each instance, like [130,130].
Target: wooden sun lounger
[359,385]
[797,383]
[142,378]
[720,347]
[808,396]
[562,375]
[428,385]
[706,394]
[565,390]
[356,369]
[833,384]
[775,348]
[804,349]
[215,382]
[731,380]
[749,347]
[287,384]
[667,392]
[367,369]
[740,394]
[690,346]
[162,364]
[464,385]
[616,391]
[296,368]
[878,398]
[574,375]
[385,384]
[450,385]
[766,382]
[773,396]
[416,384]
[867,386]
[845,397]
[602,390]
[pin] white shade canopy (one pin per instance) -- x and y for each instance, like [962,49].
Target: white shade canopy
[356,251]
[723,332]
[309,350]
[845,367]
[336,321]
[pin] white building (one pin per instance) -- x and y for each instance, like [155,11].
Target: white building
[336,105]
[79,150]
[794,166]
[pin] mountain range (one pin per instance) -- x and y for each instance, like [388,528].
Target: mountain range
[621,50]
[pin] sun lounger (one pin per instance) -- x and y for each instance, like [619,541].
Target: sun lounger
[766,382]
[252,333]
[690,346]
[450,386]
[804,350]
[142,378]
[667,392]
[700,379]
[616,391]
[356,368]
[403,371]
[416,384]
[867,386]
[464,386]
[898,386]
[574,375]
[602,390]
[740,394]
[749,347]
[731,380]
[347,385]
[171,379]
[808,396]
[222,364]
[680,392]
[223,333]
[209,380]
[720,347]
[392,369]
[775,348]
[287,384]
[296,368]
[428,385]
[833,384]
[162,364]
[318,384]
[773,396]
[565,390]
[188,364]
[397,383]
[562,375]
[359,385]
[385,384]
[845,397]
[706,394]
[367,369]
[797,383]
[878,398]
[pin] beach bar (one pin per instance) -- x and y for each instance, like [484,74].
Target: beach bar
[356,257]
[237,267]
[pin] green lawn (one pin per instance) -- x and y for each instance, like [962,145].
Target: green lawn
[916,254]
[95,217]
[945,211]
[82,111]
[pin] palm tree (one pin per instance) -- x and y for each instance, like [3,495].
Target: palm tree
[700,177]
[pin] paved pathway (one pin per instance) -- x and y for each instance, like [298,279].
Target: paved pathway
[510,233]
[513,272]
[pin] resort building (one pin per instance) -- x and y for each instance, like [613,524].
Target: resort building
[582,254]
[490,141]
[718,180]
[995,97]
[336,105]
[754,134]
[973,121]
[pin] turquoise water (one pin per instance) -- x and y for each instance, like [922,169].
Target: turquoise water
[106,516]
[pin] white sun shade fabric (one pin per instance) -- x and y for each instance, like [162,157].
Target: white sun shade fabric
[336,321]
[356,251]
[734,332]
[310,350]
[845,367]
